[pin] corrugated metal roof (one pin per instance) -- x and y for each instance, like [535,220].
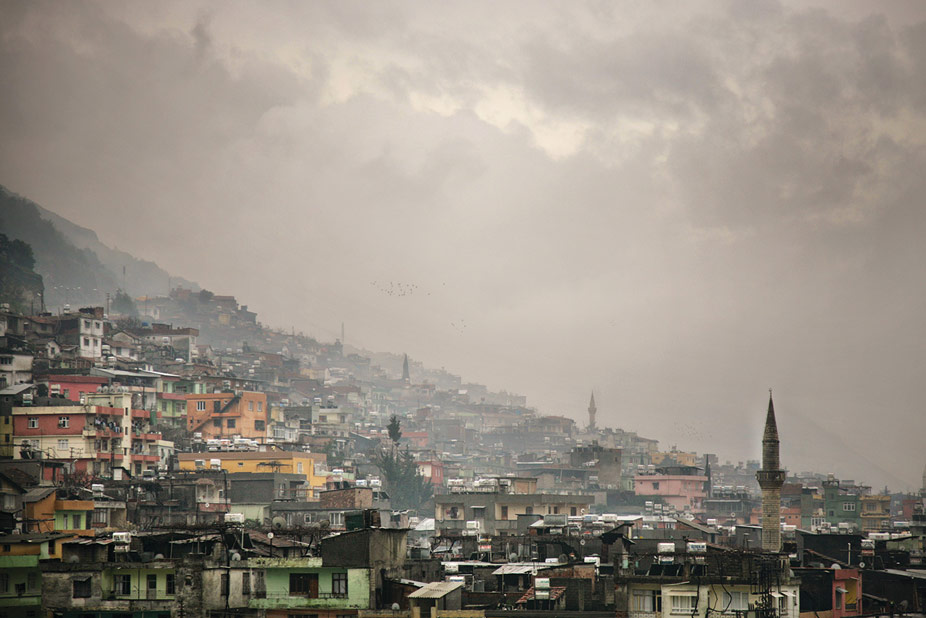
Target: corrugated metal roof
[513,569]
[435,590]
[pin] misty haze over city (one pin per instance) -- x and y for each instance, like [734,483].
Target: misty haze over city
[674,205]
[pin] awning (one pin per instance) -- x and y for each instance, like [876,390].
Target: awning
[777,595]
[841,589]
[788,593]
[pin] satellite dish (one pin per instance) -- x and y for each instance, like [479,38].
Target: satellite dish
[236,557]
[270,535]
[159,557]
[278,522]
[581,541]
[396,607]
[733,515]
[861,565]
[205,505]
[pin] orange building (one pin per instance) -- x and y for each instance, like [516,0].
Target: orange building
[223,415]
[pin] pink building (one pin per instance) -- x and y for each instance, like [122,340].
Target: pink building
[681,486]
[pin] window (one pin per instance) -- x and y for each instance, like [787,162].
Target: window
[646,601]
[6,548]
[152,585]
[259,425]
[245,583]
[231,423]
[101,517]
[32,581]
[33,422]
[683,603]
[336,519]
[250,406]
[9,502]
[122,584]
[299,467]
[6,360]
[62,445]
[303,584]
[200,406]
[655,485]
[504,512]
[339,584]
[224,592]
[217,422]
[848,506]
[735,602]
[86,342]
[260,407]
[4,582]
[528,510]
[64,421]
[87,324]
[170,583]
[572,511]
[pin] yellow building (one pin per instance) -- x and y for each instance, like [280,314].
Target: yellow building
[312,465]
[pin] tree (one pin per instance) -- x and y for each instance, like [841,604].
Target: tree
[395,429]
[407,488]
[123,304]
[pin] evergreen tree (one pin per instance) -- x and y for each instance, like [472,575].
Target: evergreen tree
[395,429]
[407,488]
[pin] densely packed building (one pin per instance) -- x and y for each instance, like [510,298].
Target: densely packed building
[189,461]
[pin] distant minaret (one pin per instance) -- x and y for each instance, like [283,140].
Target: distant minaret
[405,375]
[592,411]
[709,487]
[771,477]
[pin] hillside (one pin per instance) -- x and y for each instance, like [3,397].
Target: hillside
[77,268]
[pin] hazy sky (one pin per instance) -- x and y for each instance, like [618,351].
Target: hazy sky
[676,204]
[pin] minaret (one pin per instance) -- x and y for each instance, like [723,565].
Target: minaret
[709,485]
[771,477]
[592,411]
[405,375]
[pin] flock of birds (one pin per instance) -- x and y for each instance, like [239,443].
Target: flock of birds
[397,289]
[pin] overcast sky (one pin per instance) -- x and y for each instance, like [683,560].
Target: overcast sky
[678,205]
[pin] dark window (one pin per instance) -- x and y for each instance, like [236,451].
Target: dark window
[529,510]
[303,584]
[572,511]
[122,584]
[152,582]
[339,583]
[260,425]
[504,512]
[224,592]
[231,423]
[245,583]
[217,422]
[171,584]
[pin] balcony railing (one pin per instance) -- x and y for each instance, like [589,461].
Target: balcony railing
[294,595]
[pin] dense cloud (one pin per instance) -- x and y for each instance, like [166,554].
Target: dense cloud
[678,206]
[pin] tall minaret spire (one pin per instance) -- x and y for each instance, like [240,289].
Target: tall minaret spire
[592,411]
[406,377]
[771,477]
